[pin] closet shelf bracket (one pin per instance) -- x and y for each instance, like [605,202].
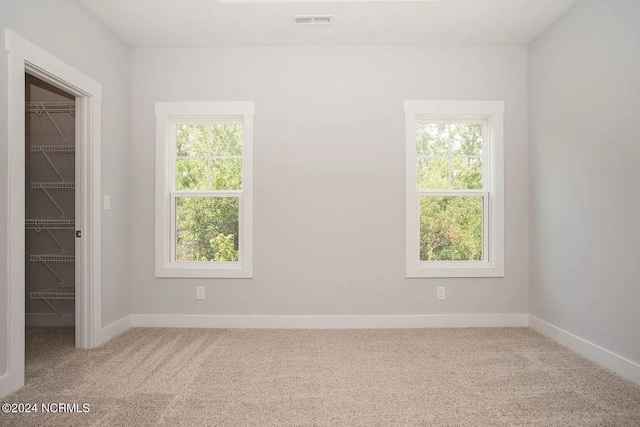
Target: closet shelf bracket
[54,294]
[52,107]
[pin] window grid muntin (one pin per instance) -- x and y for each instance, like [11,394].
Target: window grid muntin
[208,157]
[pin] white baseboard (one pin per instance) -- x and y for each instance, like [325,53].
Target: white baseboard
[113,330]
[49,319]
[618,364]
[330,322]
[9,383]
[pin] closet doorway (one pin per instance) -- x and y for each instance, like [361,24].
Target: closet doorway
[26,59]
[50,209]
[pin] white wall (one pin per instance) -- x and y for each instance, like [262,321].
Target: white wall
[329,175]
[584,111]
[68,30]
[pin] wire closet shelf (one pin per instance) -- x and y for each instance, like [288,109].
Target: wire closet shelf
[59,293]
[56,148]
[49,224]
[50,107]
[54,185]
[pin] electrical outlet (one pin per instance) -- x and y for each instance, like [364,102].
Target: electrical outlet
[107,203]
[440,293]
[199,292]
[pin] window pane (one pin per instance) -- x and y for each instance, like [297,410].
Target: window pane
[451,228]
[209,140]
[226,140]
[192,140]
[191,174]
[466,139]
[466,173]
[207,228]
[226,174]
[433,174]
[432,139]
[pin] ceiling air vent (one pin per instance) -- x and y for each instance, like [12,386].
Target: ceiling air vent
[313,20]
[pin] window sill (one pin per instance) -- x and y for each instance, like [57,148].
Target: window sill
[204,271]
[454,269]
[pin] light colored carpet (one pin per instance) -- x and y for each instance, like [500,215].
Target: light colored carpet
[428,377]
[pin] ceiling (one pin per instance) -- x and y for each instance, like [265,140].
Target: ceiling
[179,23]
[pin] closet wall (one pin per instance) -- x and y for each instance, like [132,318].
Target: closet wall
[50,205]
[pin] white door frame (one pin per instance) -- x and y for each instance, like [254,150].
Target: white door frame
[26,57]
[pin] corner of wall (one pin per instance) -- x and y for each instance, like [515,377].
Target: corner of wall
[4,270]
[10,383]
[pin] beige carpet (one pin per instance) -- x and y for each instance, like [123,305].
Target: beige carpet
[427,377]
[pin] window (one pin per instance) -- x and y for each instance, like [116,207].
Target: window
[204,168]
[455,189]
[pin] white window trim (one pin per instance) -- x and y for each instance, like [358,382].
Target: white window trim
[493,153]
[166,113]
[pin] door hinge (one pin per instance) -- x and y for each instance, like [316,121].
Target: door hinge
[78,234]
